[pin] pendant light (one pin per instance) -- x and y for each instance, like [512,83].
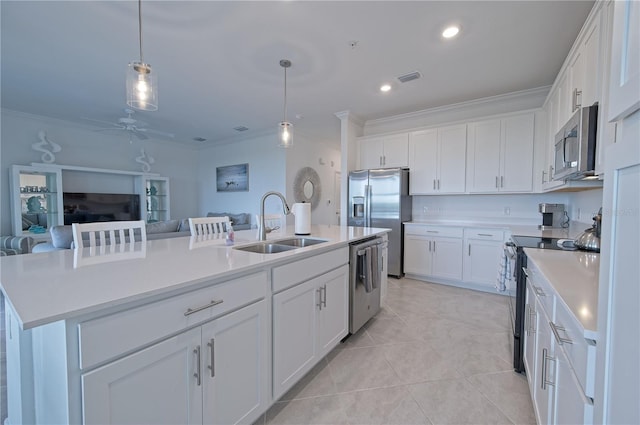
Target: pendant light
[285,129]
[142,85]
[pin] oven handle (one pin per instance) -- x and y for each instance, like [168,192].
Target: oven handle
[510,250]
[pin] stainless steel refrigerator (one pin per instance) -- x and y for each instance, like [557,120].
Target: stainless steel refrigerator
[380,198]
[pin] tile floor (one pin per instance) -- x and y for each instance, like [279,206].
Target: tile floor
[434,355]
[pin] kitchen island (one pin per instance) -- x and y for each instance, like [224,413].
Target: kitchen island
[174,331]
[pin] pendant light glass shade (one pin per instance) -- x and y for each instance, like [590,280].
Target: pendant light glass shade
[285,134]
[285,128]
[142,87]
[142,84]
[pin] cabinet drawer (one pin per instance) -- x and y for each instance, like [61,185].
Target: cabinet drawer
[442,231]
[580,352]
[107,337]
[287,275]
[542,289]
[484,234]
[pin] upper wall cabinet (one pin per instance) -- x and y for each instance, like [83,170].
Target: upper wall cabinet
[500,155]
[437,160]
[384,151]
[625,60]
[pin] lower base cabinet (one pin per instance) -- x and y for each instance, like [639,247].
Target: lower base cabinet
[309,320]
[215,374]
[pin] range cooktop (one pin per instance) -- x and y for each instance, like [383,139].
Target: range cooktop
[536,242]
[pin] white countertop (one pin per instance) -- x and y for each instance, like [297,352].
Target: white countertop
[574,275]
[46,287]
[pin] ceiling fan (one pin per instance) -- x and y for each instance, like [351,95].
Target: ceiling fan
[132,126]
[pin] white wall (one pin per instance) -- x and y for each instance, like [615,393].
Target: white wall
[267,171]
[325,160]
[584,205]
[83,147]
[522,209]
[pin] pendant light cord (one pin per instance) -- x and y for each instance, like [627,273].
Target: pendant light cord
[284,115]
[140,28]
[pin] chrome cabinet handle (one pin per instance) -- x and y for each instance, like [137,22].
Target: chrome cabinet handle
[433,231]
[429,246]
[538,291]
[324,297]
[438,184]
[575,106]
[319,291]
[555,328]
[197,372]
[434,184]
[501,181]
[434,246]
[212,367]
[469,250]
[543,174]
[485,234]
[532,316]
[545,359]
[203,307]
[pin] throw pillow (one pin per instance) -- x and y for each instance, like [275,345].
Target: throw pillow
[163,226]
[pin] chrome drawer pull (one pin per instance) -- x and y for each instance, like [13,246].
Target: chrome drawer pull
[433,231]
[485,234]
[204,307]
[538,291]
[545,359]
[560,340]
[212,367]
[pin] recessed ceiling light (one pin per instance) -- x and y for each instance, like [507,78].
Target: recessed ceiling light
[385,88]
[451,31]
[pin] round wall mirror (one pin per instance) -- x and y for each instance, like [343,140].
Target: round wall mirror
[306,187]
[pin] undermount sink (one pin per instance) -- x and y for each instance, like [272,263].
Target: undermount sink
[300,242]
[279,246]
[265,248]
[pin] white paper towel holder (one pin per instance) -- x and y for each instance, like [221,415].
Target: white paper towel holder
[302,214]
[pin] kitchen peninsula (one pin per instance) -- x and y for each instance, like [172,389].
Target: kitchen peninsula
[183,331]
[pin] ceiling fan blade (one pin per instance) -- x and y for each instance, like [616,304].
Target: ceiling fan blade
[109,129]
[158,133]
[139,134]
[100,121]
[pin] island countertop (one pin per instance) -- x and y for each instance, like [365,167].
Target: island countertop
[50,286]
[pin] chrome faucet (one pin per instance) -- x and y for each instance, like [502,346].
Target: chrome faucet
[285,209]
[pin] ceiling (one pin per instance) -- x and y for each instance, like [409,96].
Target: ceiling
[218,61]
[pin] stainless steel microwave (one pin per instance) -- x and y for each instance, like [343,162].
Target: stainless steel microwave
[575,145]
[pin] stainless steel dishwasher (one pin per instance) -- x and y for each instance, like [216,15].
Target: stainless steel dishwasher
[365,279]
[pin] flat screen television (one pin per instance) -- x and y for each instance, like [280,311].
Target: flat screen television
[92,207]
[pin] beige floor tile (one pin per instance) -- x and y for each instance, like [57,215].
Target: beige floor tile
[315,383]
[362,368]
[419,362]
[456,402]
[317,410]
[393,405]
[510,392]
[390,331]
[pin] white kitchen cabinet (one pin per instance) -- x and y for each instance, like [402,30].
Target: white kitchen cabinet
[235,367]
[433,251]
[483,250]
[384,151]
[544,378]
[309,320]
[215,374]
[571,405]
[500,155]
[155,385]
[437,160]
[530,331]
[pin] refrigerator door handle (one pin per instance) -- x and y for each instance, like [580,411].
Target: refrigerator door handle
[367,206]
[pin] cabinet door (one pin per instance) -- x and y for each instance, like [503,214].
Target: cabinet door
[153,386]
[592,69]
[564,101]
[545,371]
[530,332]
[417,255]
[447,258]
[571,405]
[483,157]
[452,154]
[396,151]
[423,161]
[576,80]
[333,315]
[235,365]
[517,154]
[371,153]
[294,335]
[480,261]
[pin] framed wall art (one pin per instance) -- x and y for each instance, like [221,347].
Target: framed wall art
[232,178]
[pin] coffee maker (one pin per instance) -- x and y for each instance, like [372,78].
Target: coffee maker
[553,216]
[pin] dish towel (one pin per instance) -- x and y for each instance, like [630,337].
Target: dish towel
[505,270]
[375,267]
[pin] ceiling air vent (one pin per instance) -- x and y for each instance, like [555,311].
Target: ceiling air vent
[409,77]
[241,128]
